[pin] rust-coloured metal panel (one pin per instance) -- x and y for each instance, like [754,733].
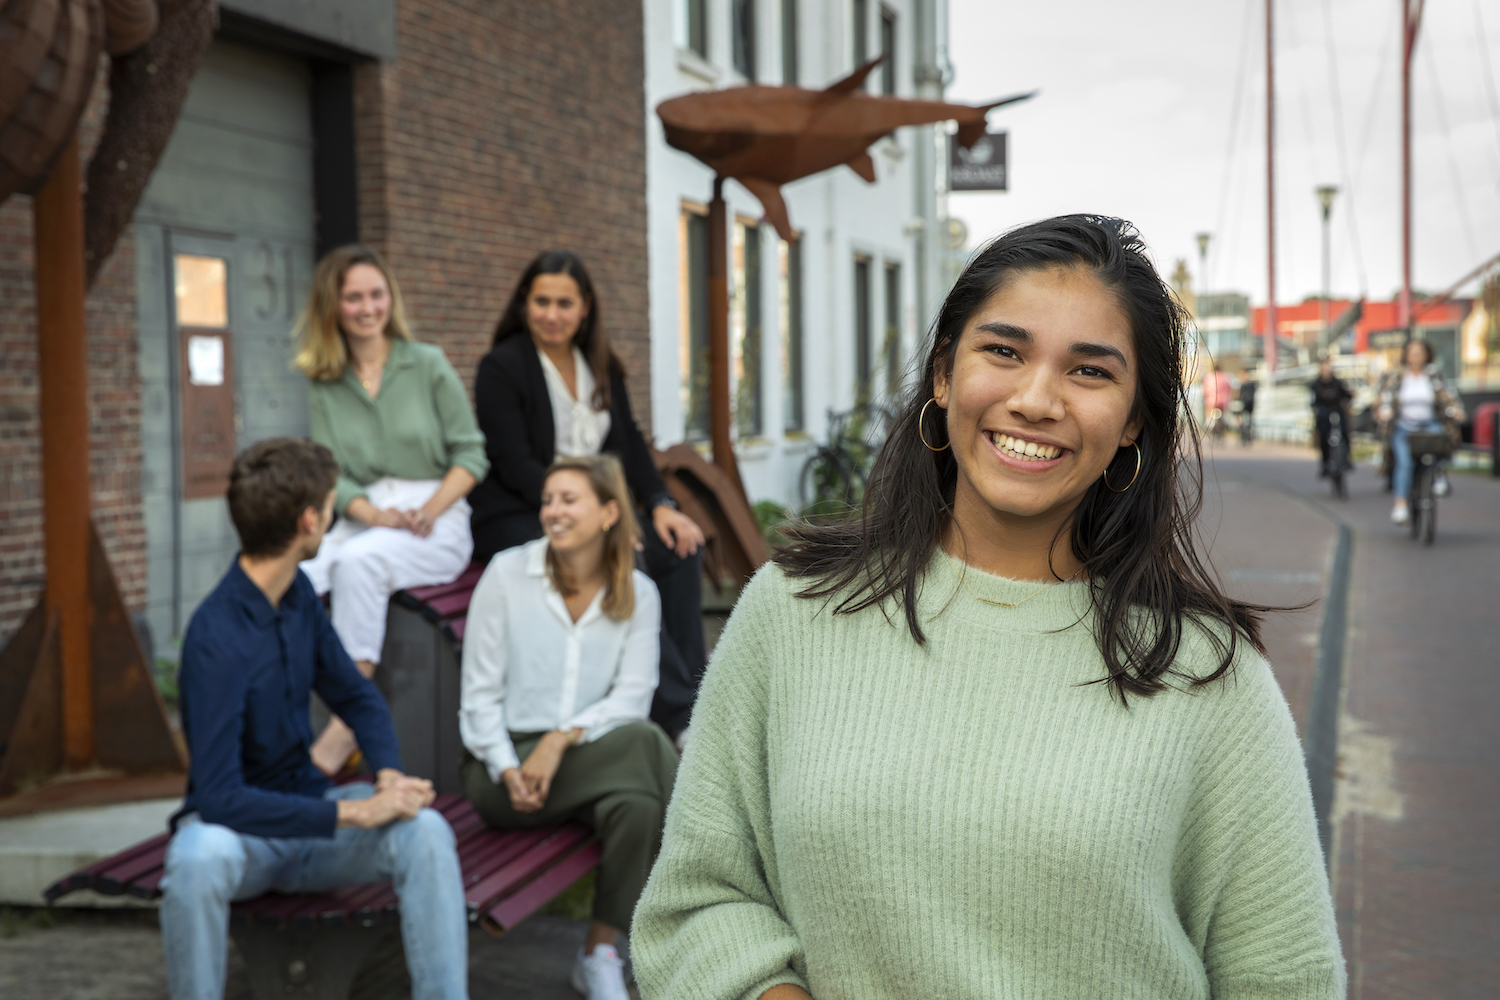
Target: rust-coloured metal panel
[33,748]
[207,374]
[131,732]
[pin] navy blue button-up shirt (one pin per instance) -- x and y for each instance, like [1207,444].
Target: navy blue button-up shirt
[247,670]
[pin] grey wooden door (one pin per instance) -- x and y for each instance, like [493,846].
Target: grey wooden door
[232,204]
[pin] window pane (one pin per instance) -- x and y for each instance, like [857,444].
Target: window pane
[860,28]
[892,347]
[790,260]
[746,330]
[743,13]
[695,21]
[888,49]
[202,291]
[862,361]
[789,42]
[693,242]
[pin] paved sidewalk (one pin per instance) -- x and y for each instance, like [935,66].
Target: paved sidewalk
[1415,869]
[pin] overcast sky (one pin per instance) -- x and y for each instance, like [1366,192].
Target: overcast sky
[1154,110]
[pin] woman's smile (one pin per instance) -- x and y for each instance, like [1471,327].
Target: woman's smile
[1033,455]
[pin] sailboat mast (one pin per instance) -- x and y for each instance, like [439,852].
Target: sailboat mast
[1411,20]
[1270,349]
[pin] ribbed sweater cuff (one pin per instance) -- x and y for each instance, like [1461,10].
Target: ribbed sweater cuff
[784,978]
[1319,983]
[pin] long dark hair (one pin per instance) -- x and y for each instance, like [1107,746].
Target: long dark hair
[1136,546]
[592,339]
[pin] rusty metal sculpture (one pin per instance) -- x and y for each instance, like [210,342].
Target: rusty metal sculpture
[765,137]
[76,693]
[49,51]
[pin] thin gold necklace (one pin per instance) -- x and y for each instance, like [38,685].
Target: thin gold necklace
[373,370]
[964,579]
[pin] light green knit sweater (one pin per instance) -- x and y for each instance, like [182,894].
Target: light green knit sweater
[871,819]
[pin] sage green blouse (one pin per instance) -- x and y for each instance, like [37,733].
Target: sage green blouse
[418,426]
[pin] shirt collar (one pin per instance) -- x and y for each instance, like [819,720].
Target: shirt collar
[536,566]
[536,557]
[401,356]
[254,600]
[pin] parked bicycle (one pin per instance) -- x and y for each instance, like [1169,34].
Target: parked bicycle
[1427,450]
[833,478]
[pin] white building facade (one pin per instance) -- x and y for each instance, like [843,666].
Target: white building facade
[833,317]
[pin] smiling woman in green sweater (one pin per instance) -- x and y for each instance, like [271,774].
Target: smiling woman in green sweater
[1002,735]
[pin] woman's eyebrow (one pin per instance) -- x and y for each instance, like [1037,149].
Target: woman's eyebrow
[1007,330]
[1087,350]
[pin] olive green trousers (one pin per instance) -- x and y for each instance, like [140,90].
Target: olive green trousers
[619,785]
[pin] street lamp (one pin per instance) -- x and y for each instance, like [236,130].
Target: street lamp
[1203,239]
[1326,194]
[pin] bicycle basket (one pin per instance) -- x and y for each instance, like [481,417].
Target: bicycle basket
[1438,445]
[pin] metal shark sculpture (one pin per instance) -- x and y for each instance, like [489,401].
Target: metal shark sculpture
[765,137]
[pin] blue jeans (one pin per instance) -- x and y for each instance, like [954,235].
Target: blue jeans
[1401,484]
[209,866]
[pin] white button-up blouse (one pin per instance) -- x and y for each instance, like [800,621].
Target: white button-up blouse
[528,667]
[578,428]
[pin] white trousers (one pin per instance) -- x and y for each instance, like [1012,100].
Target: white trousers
[364,566]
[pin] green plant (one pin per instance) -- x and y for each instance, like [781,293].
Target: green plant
[166,680]
[13,920]
[769,517]
[576,902]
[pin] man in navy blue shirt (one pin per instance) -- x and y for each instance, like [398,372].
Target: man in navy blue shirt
[259,816]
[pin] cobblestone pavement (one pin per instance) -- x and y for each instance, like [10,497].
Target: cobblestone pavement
[1414,869]
[117,955]
[1415,872]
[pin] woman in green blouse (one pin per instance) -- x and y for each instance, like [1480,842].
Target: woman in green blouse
[396,416]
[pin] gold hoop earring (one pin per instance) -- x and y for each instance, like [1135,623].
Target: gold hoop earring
[1132,478]
[923,416]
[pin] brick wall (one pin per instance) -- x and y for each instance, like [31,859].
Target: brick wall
[502,129]
[114,411]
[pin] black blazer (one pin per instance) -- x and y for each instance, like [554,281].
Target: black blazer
[515,413]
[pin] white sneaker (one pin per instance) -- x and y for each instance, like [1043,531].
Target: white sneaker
[600,976]
[1399,514]
[1440,485]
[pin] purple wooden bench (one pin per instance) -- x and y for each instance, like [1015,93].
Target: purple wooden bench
[312,946]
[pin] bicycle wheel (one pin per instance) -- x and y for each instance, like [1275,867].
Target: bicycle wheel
[825,486]
[1338,468]
[1429,522]
[1414,503]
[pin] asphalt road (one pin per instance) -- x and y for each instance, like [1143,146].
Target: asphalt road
[1416,812]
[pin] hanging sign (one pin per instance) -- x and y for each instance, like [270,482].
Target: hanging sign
[981,167]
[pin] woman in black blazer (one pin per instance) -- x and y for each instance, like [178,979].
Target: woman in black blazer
[552,386]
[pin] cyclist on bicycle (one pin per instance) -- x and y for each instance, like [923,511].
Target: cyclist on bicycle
[1217,393]
[1329,396]
[1415,397]
[1247,411]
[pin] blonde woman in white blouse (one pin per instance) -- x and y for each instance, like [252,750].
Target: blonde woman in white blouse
[559,668]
